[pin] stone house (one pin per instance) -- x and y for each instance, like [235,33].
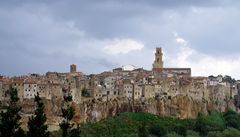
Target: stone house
[148,91]
[127,88]
[18,83]
[30,88]
[137,91]
[74,88]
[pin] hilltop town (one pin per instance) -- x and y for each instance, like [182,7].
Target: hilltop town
[175,90]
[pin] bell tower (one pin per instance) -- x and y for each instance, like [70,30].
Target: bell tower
[73,68]
[158,62]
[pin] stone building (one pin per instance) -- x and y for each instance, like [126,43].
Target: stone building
[198,88]
[148,91]
[74,88]
[127,88]
[6,86]
[44,91]
[30,89]
[158,68]
[137,91]
[73,68]
[54,91]
[18,83]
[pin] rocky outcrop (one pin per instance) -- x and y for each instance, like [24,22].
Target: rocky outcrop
[93,110]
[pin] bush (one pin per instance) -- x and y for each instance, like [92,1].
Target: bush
[232,119]
[158,130]
[180,129]
[191,133]
[213,122]
[214,134]
[230,132]
[173,134]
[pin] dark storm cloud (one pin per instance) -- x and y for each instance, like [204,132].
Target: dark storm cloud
[37,36]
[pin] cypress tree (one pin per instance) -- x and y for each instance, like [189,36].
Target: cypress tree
[67,113]
[9,118]
[37,123]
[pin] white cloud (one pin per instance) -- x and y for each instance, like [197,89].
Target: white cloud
[122,46]
[203,64]
[180,40]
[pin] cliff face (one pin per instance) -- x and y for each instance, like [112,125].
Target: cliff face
[92,110]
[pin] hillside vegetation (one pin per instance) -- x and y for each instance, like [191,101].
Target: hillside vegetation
[216,124]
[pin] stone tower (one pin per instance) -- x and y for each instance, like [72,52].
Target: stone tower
[158,62]
[73,68]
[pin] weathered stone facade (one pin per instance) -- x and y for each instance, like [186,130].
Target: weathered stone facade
[161,91]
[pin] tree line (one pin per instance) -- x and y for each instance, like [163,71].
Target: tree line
[10,125]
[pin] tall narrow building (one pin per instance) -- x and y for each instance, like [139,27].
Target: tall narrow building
[73,68]
[158,62]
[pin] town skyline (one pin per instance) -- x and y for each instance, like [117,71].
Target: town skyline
[127,67]
[128,83]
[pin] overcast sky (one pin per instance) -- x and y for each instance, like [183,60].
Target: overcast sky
[98,35]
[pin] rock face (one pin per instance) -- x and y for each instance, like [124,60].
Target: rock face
[93,110]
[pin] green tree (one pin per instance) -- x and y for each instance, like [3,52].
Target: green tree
[142,130]
[232,119]
[180,129]
[173,134]
[230,132]
[191,133]
[37,123]
[9,119]
[200,125]
[158,130]
[68,129]
[229,79]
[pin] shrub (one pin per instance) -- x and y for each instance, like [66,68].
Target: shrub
[158,130]
[173,134]
[230,132]
[232,119]
[191,133]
